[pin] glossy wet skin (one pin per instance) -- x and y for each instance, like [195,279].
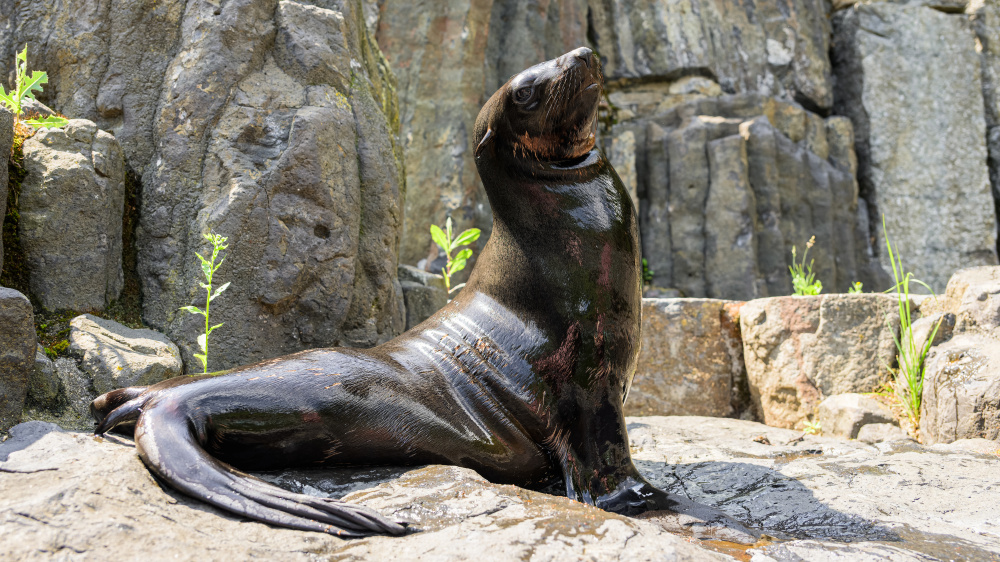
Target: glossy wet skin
[521,377]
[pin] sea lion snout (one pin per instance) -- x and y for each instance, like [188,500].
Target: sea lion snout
[577,56]
[547,112]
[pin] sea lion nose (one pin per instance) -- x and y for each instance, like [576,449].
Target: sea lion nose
[583,54]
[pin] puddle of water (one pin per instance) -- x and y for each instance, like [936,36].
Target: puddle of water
[734,549]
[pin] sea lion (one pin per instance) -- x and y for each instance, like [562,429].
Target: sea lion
[522,377]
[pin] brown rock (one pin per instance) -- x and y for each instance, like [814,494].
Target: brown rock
[799,350]
[691,360]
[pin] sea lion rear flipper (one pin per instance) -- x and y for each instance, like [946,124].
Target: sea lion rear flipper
[167,442]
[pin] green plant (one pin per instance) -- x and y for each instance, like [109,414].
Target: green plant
[456,263]
[855,288]
[910,376]
[813,427]
[208,267]
[804,281]
[25,86]
[647,274]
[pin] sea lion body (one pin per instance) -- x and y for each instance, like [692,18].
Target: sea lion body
[522,377]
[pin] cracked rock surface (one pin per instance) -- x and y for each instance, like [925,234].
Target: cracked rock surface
[73,496]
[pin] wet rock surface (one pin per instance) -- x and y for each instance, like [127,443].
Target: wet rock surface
[71,206]
[815,494]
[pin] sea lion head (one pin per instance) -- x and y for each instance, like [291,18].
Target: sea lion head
[547,113]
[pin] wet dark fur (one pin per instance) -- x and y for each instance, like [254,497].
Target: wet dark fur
[522,377]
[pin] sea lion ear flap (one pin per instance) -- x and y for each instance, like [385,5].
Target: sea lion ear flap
[486,138]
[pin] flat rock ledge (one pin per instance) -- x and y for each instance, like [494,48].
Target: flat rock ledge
[73,496]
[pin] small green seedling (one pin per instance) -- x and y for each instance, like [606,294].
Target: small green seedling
[804,281]
[855,288]
[208,267]
[25,86]
[647,274]
[456,263]
[813,427]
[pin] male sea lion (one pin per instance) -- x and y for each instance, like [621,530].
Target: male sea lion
[522,377]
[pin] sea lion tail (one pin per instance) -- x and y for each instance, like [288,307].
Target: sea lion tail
[108,402]
[168,440]
[126,413]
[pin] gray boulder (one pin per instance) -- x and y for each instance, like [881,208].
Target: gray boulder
[961,386]
[844,415]
[961,390]
[800,350]
[70,407]
[17,353]
[423,292]
[917,107]
[115,356]
[71,206]
[6,138]
[691,360]
[282,140]
[45,388]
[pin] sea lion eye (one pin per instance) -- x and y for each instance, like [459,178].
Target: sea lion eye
[522,95]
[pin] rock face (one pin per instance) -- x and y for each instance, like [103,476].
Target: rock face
[691,360]
[115,356]
[776,49]
[917,107]
[800,350]
[844,415]
[71,206]
[985,18]
[6,138]
[62,491]
[728,185]
[423,292]
[270,122]
[436,50]
[17,354]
